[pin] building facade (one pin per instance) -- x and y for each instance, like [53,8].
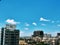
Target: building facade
[22,42]
[38,33]
[9,35]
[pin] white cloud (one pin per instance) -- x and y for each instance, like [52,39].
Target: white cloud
[43,24]
[43,19]
[53,21]
[34,24]
[26,24]
[11,21]
[58,25]
[26,28]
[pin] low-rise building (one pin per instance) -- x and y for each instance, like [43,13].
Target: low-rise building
[22,42]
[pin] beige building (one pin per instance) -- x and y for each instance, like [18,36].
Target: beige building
[22,42]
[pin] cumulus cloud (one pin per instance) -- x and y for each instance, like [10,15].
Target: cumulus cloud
[58,25]
[43,19]
[34,24]
[26,24]
[43,24]
[11,21]
[53,21]
[26,28]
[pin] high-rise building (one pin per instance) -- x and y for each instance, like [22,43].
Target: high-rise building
[38,33]
[9,35]
[58,34]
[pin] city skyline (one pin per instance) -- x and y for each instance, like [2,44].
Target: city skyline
[31,15]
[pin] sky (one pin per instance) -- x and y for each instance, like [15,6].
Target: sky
[31,15]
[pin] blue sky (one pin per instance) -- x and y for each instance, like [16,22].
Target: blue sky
[31,15]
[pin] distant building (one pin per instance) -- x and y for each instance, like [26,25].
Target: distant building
[47,36]
[59,40]
[38,33]
[9,35]
[38,36]
[22,42]
[58,34]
